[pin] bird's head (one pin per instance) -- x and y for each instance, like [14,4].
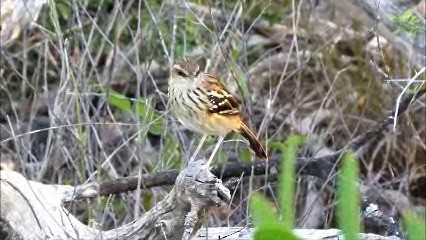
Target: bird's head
[184,71]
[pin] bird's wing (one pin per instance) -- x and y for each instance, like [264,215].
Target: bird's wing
[221,101]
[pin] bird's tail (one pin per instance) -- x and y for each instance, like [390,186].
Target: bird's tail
[255,145]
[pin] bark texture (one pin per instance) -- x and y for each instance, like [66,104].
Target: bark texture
[31,210]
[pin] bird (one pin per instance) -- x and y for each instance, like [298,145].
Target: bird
[203,104]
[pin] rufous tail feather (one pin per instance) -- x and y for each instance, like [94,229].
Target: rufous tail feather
[255,145]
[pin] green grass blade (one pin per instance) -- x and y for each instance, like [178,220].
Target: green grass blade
[261,210]
[287,180]
[415,225]
[267,224]
[274,231]
[240,77]
[348,198]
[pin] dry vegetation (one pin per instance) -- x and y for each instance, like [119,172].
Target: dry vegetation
[83,99]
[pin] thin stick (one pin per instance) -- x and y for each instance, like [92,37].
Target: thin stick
[203,139]
[219,142]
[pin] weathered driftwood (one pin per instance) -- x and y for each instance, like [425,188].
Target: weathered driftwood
[31,210]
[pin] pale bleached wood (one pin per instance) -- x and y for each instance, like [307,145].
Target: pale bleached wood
[31,210]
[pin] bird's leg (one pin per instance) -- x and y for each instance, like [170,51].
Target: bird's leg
[219,142]
[203,139]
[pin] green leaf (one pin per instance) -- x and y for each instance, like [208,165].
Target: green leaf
[143,109]
[408,21]
[348,198]
[415,225]
[119,101]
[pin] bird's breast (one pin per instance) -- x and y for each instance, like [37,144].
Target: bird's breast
[190,106]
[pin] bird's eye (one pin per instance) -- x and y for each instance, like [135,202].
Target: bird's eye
[197,72]
[181,73]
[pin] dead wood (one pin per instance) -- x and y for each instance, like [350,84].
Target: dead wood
[31,210]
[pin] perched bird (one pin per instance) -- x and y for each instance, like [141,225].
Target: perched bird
[203,104]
